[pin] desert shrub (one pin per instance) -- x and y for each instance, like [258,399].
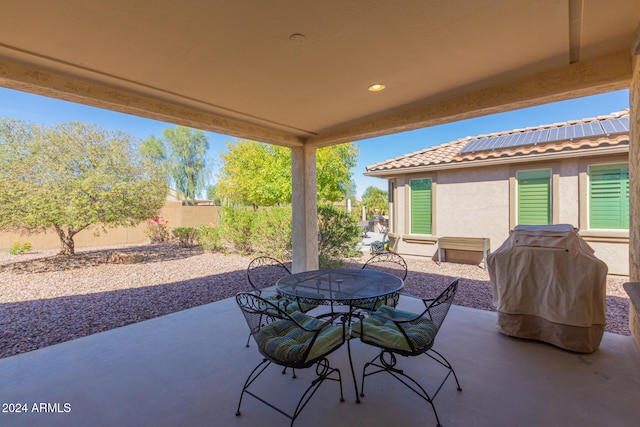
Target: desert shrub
[186,236]
[271,232]
[338,235]
[326,262]
[19,248]
[157,230]
[237,228]
[268,232]
[209,238]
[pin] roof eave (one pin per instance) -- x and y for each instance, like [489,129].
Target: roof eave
[617,149]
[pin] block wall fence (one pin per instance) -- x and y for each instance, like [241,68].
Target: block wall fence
[174,212]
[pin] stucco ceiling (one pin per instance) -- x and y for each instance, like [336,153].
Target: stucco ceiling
[233,66]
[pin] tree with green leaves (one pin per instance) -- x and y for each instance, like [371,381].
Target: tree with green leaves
[73,176]
[334,166]
[212,194]
[182,154]
[256,174]
[375,200]
[260,174]
[351,190]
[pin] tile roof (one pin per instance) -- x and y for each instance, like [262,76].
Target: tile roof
[451,152]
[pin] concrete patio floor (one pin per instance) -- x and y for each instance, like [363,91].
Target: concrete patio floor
[187,369]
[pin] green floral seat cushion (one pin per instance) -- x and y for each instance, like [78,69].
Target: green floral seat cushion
[380,330]
[394,313]
[290,305]
[286,305]
[306,306]
[390,300]
[285,341]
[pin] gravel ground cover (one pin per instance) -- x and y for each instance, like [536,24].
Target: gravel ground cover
[45,300]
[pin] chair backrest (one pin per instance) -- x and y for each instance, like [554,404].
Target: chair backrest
[410,334]
[388,262]
[439,307]
[264,271]
[257,311]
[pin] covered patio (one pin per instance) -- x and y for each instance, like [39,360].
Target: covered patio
[188,368]
[296,74]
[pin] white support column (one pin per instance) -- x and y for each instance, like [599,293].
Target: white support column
[304,205]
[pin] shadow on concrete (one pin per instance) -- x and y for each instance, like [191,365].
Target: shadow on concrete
[29,325]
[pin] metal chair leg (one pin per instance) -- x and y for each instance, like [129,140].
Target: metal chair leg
[444,362]
[252,377]
[324,372]
[386,362]
[284,372]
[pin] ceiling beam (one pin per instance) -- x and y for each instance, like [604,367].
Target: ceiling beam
[576,8]
[605,74]
[40,81]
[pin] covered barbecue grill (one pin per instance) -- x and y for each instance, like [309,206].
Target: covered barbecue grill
[549,286]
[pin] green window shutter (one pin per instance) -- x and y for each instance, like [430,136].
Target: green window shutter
[609,196]
[421,206]
[534,197]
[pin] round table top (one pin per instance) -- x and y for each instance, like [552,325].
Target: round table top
[339,285]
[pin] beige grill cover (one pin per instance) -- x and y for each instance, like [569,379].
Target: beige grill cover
[549,286]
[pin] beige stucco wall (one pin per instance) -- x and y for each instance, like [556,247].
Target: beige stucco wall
[567,202]
[634,183]
[481,202]
[467,202]
[174,212]
[634,161]
[616,255]
[478,210]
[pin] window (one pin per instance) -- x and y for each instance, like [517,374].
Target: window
[534,197]
[421,206]
[609,196]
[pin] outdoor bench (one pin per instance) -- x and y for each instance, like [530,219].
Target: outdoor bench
[474,244]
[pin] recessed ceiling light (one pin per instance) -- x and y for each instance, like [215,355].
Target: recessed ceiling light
[376,87]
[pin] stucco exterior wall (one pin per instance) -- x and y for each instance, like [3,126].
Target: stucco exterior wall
[481,202]
[466,202]
[477,210]
[567,202]
[634,162]
[615,255]
[634,184]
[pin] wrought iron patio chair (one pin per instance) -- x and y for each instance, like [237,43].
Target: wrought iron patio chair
[387,262]
[293,340]
[264,272]
[404,333]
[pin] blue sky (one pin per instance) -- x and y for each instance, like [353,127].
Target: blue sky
[38,109]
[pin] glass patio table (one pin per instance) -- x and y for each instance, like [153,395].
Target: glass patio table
[350,287]
[340,286]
